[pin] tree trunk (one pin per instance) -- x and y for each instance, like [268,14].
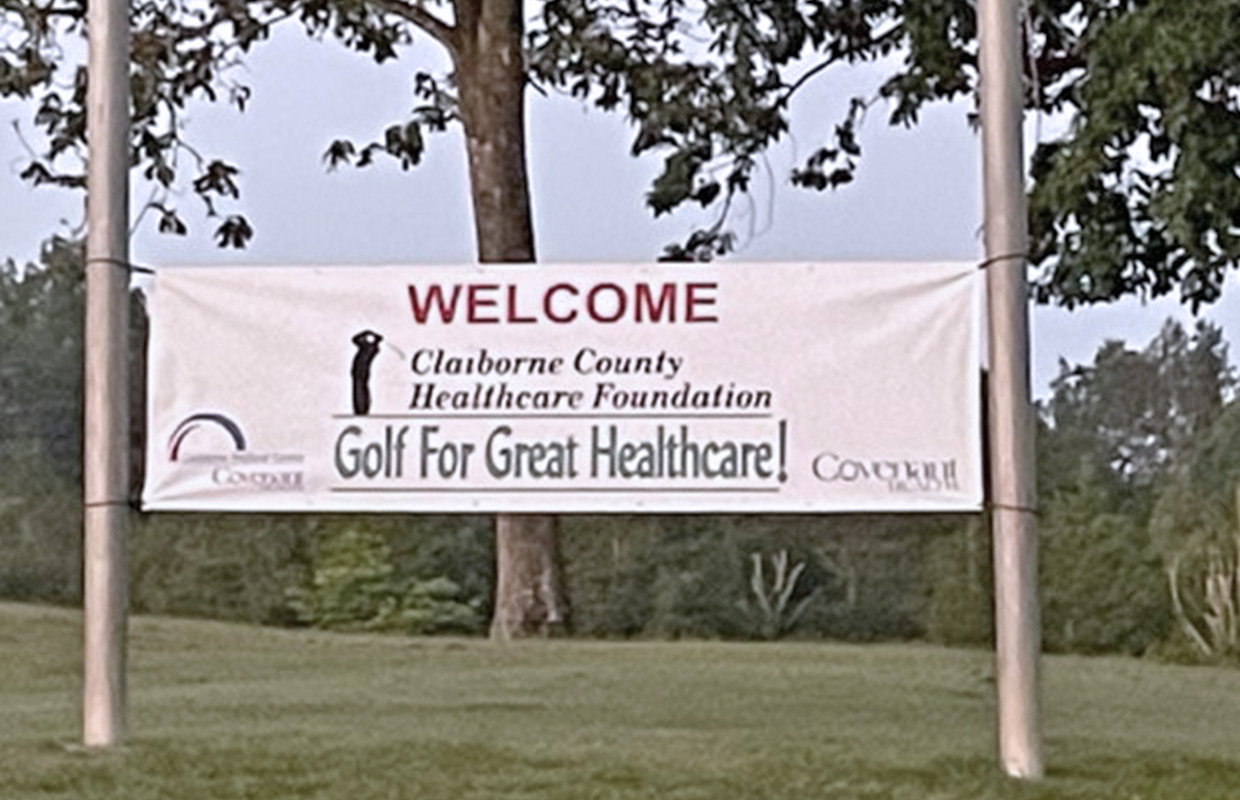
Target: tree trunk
[490,73]
[528,594]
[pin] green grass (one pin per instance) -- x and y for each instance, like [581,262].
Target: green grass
[223,712]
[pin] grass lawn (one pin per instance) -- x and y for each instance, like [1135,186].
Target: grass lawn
[221,712]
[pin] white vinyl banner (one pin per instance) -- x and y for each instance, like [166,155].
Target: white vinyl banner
[695,388]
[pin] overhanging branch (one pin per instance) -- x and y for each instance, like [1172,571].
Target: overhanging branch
[439,30]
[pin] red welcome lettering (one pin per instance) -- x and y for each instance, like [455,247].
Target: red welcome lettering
[434,297]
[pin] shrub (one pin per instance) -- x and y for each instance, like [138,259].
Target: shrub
[353,585]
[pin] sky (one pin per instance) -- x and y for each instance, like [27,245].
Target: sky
[917,195]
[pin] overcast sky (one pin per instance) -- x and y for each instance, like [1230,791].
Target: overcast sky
[917,196]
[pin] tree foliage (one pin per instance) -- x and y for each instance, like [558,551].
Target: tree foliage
[857,577]
[353,584]
[961,604]
[40,355]
[1196,528]
[1102,587]
[1135,413]
[40,409]
[1138,194]
[1135,534]
[1141,194]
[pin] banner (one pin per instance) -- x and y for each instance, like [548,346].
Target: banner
[694,388]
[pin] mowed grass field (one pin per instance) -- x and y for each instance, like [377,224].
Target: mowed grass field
[221,711]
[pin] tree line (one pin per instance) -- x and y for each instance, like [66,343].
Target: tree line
[1139,484]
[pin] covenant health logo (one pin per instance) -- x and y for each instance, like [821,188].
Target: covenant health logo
[215,443]
[899,475]
[196,421]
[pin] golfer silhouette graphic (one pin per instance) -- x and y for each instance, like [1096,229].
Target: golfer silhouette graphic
[367,348]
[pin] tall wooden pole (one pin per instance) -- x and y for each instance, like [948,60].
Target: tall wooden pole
[1012,459]
[106,437]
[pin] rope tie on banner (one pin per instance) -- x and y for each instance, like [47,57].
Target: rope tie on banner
[107,503]
[1009,507]
[119,264]
[985,264]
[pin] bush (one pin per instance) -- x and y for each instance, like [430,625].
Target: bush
[40,528]
[1102,589]
[353,585]
[862,576]
[961,607]
[232,567]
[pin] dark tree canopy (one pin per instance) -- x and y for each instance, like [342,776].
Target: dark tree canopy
[1136,414]
[41,357]
[1140,193]
[1143,192]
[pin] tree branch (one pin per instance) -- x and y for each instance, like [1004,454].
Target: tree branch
[439,30]
[793,87]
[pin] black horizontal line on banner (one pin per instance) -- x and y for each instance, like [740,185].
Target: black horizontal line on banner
[518,415]
[552,490]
